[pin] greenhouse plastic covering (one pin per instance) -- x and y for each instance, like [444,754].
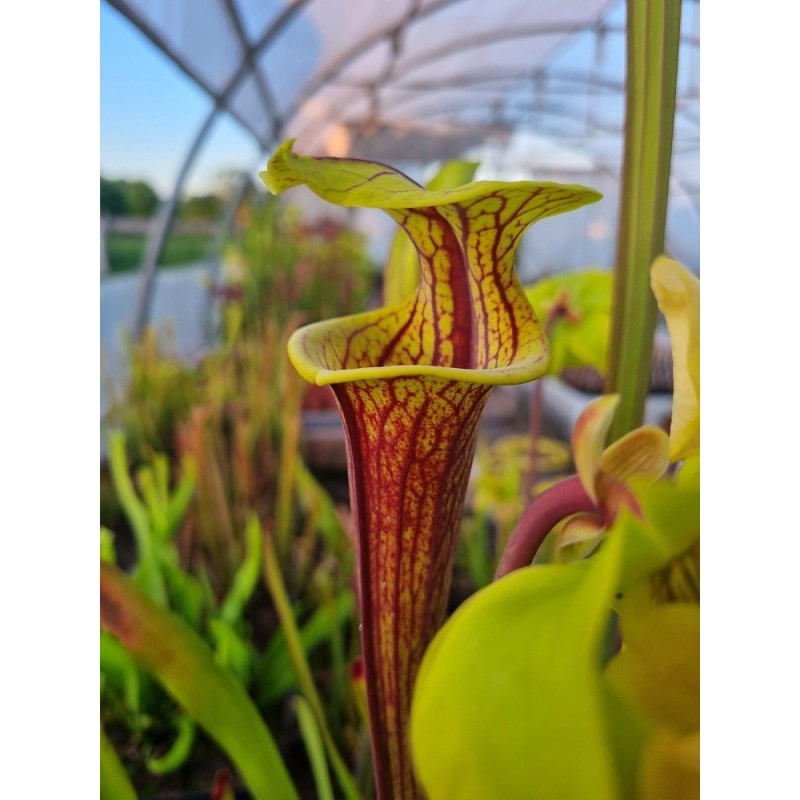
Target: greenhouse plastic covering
[531,89]
[417,80]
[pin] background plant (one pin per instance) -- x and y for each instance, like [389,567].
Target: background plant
[232,420]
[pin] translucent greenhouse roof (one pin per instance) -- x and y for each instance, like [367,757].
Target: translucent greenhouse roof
[420,80]
[532,89]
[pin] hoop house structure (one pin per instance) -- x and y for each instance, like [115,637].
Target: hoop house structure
[529,89]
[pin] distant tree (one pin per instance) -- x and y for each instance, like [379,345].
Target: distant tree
[127,198]
[204,206]
[142,199]
[113,200]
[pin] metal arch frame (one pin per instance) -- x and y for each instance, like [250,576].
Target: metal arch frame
[465,43]
[248,67]
[575,78]
[601,165]
[588,81]
[351,54]
[166,214]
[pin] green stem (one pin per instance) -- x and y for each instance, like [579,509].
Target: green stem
[283,608]
[148,572]
[290,443]
[652,68]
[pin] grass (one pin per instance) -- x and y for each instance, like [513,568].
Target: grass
[126,250]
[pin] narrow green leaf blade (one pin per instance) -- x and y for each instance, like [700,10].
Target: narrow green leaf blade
[179,751]
[314,747]
[246,578]
[114,781]
[283,608]
[165,646]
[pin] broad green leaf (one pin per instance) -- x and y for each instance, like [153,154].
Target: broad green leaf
[677,293]
[671,767]
[658,667]
[114,781]
[509,693]
[401,273]
[579,305]
[511,701]
[165,646]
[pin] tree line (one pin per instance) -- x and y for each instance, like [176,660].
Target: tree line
[121,198]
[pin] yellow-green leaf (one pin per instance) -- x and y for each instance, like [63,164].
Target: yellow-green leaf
[577,536]
[658,667]
[579,304]
[677,293]
[510,700]
[588,440]
[642,453]
[671,767]
[114,781]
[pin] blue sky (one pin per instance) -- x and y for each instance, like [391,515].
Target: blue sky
[150,113]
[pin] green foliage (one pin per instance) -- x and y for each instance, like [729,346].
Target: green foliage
[302,669]
[203,206]
[519,672]
[578,306]
[314,747]
[166,647]
[157,397]
[113,199]
[497,497]
[282,266]
[653,44]
[127,198]
[126,250]
[114,781]
[130,698]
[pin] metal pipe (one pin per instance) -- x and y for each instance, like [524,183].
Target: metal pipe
[162,225]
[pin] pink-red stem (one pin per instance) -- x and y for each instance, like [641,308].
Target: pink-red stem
[550,507]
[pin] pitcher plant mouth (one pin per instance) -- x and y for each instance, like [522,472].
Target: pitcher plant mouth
[411,380]
[308,344]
